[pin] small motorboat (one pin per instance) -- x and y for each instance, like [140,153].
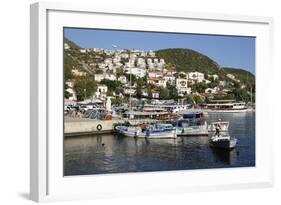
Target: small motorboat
[223,141]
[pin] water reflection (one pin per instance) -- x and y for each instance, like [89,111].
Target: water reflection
[226,156]
[115,154]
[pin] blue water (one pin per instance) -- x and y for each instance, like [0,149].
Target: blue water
[110,153]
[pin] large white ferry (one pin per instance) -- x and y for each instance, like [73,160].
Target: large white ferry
[225,106]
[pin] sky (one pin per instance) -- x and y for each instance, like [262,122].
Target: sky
[227,51]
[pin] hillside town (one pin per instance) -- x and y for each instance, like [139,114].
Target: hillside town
[156,108]
[137,74]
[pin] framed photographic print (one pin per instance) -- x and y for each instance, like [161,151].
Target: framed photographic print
[127,102]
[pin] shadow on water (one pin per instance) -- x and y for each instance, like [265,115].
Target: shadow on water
[228,157]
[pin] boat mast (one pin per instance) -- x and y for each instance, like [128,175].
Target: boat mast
[251,96]
[130,102]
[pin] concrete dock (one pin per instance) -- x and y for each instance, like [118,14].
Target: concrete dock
[85,126]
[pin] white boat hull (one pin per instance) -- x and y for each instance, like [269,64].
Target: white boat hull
[136,132]
[192,131]
[229,111]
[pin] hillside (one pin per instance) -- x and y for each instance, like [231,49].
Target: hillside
[244,76]
[70,58]
[188,60]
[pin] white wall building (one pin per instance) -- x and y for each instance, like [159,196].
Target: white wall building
[151,54]
[214,90]
[162,82]
[71,91]
[66,46]
[182,86]
[155,74]
[181,83]
[99,77]
[197,76]
[170,78]
[184,91]
[101,91]
[138,72]
[123,79]
[110,76]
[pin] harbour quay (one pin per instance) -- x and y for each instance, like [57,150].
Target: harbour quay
[84,126]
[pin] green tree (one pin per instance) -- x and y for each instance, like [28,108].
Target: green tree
[198,99]
[113,85]
[85,87]
[199,87]
[66,93]
[163,93]
[173,92]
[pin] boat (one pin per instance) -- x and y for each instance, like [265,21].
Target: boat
[192,123]
[226,106]
[129,131]
[223,141]
[173,108]
[153,131]
[222,124]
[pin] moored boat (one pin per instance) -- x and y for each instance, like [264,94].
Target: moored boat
[192,123]
[152,131]
[223,141]
[226,106]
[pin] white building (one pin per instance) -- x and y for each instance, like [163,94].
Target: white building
[66,46]
[110,76]
[155,94]
[77,72]
[182,86]
[123,79]
[129,90]
[124,55]
[141,63]
[155,74]
[196,76]
[162,82]
[230,76]
[214,90]
[108,61]
[184,91]
[170,78]
[222,83]
[71,91]
[99,77]
[138,72]
[151,54]
[83,51]
[206,81]
[181,83]
[101,92]
[215,77]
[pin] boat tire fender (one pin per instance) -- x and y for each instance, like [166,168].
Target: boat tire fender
[99,127]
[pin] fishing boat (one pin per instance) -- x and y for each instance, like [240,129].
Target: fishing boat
[192,123]
[153,131]
[223,141]
[223,125]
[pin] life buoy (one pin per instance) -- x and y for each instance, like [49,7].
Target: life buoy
[99,127]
